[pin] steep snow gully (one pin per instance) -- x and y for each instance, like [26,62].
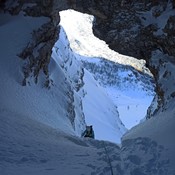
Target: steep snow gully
[42,121]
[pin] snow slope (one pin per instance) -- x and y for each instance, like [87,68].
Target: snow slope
[160,129]
[32,101]
[130,90]
[99,110]
[30,147]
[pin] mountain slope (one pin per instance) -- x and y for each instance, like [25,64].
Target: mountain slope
[31,145]
[126,80]
[99,110]
[60,105]
[130,90]
[38,121]
[33,101]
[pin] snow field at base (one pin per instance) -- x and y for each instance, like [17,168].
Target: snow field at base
[35,129]
[29,147]
[160,129]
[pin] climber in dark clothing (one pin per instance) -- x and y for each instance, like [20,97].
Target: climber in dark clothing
[89,132]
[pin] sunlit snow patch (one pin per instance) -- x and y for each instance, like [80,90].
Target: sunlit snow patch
[131,99]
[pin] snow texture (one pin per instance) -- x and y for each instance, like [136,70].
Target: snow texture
[38,135]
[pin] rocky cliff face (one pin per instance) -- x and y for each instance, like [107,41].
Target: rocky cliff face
[136,28]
